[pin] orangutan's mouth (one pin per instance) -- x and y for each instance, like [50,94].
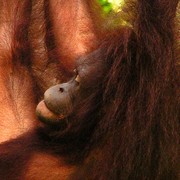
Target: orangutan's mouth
[44,114]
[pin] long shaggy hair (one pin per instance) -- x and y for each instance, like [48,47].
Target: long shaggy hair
[128,126]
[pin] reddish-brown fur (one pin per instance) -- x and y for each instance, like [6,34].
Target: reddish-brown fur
[127,128]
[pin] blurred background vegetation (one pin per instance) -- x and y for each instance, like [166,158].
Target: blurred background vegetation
[110,5]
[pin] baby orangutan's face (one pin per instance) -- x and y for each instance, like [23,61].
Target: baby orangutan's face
[58,101]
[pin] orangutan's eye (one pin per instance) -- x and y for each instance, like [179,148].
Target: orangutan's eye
[77,79]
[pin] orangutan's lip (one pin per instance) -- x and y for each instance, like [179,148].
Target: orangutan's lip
[60,116]
[46,115]
[46,105]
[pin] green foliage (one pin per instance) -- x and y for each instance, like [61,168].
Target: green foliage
[107,6]
[111,5]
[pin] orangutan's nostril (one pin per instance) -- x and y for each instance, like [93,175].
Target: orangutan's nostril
[61,89]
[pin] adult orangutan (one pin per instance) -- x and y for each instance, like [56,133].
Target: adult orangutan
[115,117]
